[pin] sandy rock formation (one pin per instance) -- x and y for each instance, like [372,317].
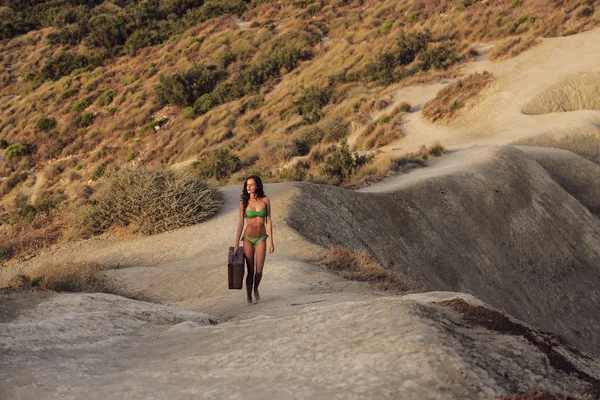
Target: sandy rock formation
[410,348]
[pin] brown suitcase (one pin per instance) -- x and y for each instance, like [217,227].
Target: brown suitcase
[235,268]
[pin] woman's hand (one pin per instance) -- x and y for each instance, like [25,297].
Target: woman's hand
[235,249]
[271,247]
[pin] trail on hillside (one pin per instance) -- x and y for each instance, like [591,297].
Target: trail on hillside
[514,226]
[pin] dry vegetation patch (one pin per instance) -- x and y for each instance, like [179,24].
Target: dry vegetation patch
[581,92]
[147,202]
[74,277]
[359,266]
[455,96]
[512,47]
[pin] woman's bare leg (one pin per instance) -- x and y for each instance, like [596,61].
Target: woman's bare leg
[249,254]
[260,250]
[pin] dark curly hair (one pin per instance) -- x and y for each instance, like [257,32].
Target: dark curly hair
[245,197]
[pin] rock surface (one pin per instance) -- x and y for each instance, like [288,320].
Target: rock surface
[410,348]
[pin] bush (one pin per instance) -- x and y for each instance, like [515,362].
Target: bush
[80,105]
[188,113]
[105,98]
[203,103]
[310,104]
[16,150]
[439,58]
[413,16]
[218,165]
[128,135]
[85,119]
[151,125]
[387,26]
[68,93]
[184,88]
[342,164]
[516,3]
[296,173]
[106,31]
[98,172]
[63,65]
[388,66]
[45,124]
[150,202]
[131,156]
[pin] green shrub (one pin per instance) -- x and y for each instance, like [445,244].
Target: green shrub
[296,173]
[80,105]
[16,150]
[45,123]
[131,156]
[188,113]
[388,66]
[516,3]
[413,16]
[85,119]
[310,104]
[384,120]
[184,88]
[63,65]
[98,172]
[218,165]
[250,79]
[68,93]
[149,202]
[128,135]
[105,98]
[342,164]
[151,70]
[92,85]
[387,26]
[150,125]
[439,58]
[129,81]
[203,103]
[106,31]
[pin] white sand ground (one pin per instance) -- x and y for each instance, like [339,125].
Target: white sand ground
[314,335]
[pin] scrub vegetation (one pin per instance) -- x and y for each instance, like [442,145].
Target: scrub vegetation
[90,86]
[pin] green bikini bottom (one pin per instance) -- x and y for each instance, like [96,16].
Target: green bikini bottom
[255,241]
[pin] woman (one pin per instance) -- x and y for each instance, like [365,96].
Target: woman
[256,208]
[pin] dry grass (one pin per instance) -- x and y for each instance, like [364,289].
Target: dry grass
[75,277]
[357,265]
[511,47]
[456,96]
[147,202]
[580,92]
[381,132]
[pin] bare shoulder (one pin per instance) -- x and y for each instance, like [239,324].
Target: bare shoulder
[266,200]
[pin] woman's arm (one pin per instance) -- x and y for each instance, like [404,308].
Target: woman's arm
[270,227]
[239,228]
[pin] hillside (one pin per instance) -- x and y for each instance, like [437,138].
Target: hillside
[242,87]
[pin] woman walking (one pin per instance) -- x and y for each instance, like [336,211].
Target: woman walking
[256,209]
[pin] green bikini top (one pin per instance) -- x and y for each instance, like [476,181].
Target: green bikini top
[254,214]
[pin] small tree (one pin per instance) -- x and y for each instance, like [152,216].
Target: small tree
[16,150]
[45,124]
[219,165]
[343,164]
[310,104]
